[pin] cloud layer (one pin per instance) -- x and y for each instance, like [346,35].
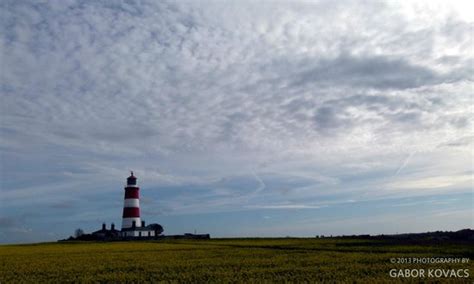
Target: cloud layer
[234,105]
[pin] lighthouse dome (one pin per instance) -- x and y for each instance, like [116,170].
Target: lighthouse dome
[131,180]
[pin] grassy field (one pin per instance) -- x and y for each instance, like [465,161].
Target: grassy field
[222,260]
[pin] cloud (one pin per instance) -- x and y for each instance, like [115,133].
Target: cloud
[433,182]
[127,88]
[374,72]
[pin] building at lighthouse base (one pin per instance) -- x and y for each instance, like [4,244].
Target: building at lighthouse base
[151,230]
[145,233]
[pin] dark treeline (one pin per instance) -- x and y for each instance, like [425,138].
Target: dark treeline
[461,236]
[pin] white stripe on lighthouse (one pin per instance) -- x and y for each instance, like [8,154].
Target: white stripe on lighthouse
[131,202]
[128,222]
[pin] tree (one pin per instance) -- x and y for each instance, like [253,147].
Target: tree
[157,228]
[78,232]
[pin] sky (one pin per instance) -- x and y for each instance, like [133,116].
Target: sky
[239,118]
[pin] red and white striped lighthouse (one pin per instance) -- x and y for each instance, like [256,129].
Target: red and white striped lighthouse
[131,204]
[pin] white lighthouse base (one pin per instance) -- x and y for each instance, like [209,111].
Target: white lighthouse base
[141,232]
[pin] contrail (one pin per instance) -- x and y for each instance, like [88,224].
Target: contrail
[402,166]
[261,185]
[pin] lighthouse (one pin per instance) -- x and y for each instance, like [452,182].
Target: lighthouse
[131,204]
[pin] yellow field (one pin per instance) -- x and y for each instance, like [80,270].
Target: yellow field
[221,260]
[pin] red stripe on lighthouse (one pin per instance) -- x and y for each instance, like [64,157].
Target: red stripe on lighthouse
[131,192]
[131,212]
